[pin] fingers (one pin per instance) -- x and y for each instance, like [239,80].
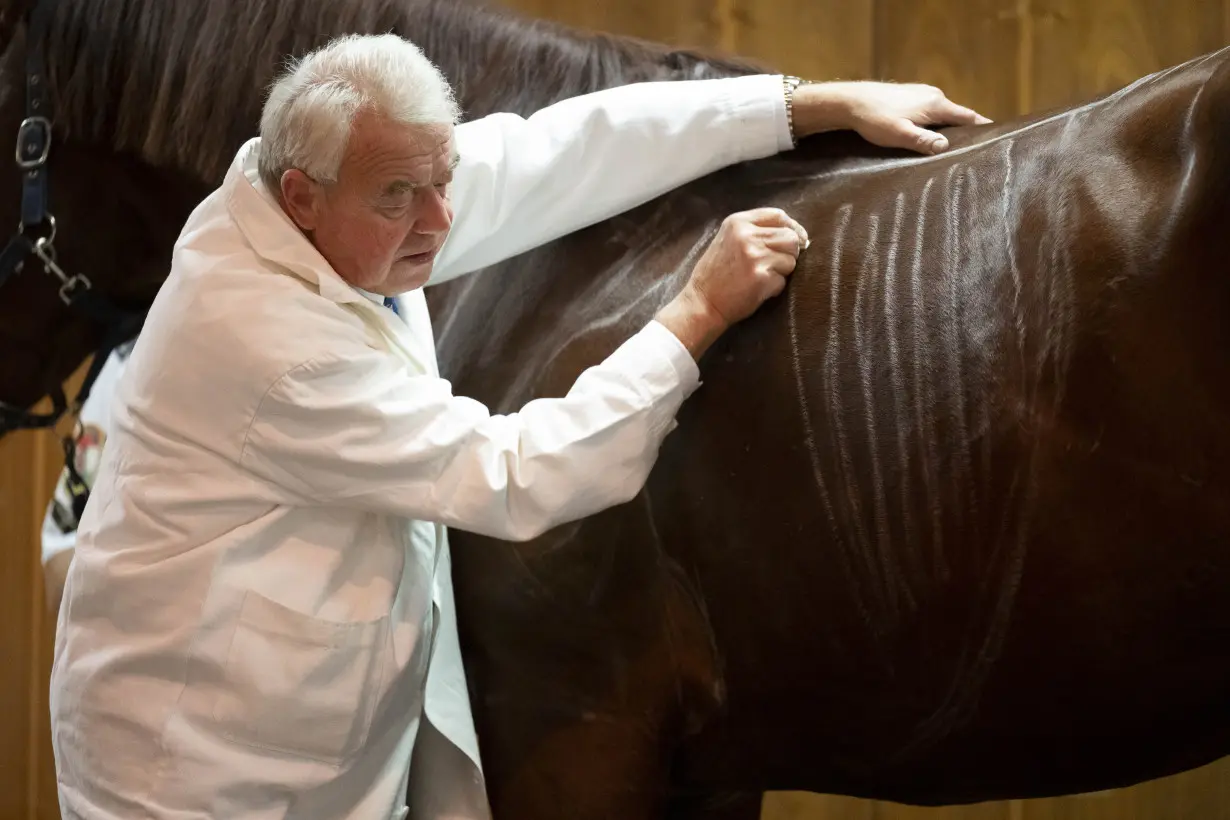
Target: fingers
[912,137]
[783,264]
[785,240]
[768,217]
[925,141]
[777,218]
[949,113]
[804,239]
[784,246]
[902,116]
[775,286]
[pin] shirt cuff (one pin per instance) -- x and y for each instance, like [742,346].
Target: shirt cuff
[784,141]
[758,102]
[681,360]
[659,365]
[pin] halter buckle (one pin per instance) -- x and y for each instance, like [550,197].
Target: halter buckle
[33,143]
[68,291]
[51,235]
[69,285]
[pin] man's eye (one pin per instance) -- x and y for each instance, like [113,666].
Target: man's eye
[393,211]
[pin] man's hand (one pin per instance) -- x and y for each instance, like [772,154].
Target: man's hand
[891,115]
[746,264]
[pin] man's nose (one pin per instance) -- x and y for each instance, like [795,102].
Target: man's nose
[437,214]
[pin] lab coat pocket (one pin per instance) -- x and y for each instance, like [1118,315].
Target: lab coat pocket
[300,685]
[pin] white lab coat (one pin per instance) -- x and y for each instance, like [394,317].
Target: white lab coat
[260,610]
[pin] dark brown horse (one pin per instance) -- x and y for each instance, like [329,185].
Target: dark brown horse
[947,522]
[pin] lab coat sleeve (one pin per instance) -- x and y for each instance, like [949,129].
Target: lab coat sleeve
[363,431]
[524,182]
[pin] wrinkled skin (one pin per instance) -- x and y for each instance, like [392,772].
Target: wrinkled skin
[947,520]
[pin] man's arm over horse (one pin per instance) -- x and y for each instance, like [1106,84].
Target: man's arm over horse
[523,182]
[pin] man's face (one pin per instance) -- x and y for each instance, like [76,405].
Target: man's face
[382,223]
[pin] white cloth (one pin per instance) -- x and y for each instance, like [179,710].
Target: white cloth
[260,606]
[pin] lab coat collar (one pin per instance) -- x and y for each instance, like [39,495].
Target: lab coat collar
[270,231]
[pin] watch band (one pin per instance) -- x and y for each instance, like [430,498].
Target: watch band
[789,84]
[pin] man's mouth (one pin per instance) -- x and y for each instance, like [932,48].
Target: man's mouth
[421,258]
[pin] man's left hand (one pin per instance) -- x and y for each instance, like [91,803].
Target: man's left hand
[891,115]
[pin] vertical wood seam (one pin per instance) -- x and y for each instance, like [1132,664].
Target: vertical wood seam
[727,25]
[873,52]
[37,622]
[1024,56]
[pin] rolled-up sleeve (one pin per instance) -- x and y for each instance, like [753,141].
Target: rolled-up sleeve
[522,182]
[358,429]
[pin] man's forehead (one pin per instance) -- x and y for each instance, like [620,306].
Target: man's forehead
[420,139]
[441,155]
[411,152]
[439,146]
[441,150]
[424,169]
[434,137]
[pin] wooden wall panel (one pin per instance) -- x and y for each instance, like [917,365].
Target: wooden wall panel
[1083,48]
[17,498]
[29,463]
[826,39]
[1203,794]
[802,806]
[697,23]
[817,39]
[46,798]
[967,48]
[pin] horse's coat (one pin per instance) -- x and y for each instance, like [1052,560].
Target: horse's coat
[947,521]
[914,530]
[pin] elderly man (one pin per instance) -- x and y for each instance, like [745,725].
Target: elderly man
[258,621]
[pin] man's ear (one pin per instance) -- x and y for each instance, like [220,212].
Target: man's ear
[301,199]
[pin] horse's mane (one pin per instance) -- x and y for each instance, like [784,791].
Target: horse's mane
[181,83]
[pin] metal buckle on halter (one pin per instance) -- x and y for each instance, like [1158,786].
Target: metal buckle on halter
[68,291]
[69,285]
[49,238]
[43,140]
[31,243]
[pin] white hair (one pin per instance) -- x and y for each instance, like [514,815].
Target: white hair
[308,115]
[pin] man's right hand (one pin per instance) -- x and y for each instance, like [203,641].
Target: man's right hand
[746,264]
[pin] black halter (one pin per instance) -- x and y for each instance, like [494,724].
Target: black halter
[35,238]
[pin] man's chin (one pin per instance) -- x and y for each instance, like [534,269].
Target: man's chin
[410,274]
